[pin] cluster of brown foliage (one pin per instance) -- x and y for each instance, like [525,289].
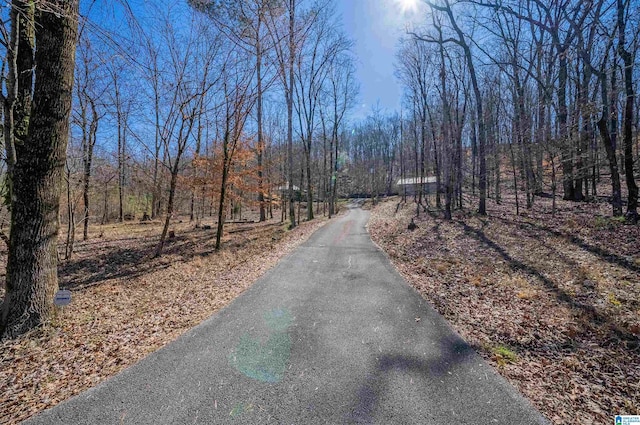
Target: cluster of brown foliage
[552,301]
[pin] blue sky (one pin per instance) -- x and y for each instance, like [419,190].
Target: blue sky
[376,26]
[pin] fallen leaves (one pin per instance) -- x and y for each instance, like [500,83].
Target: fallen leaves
[552,300]
[127,305]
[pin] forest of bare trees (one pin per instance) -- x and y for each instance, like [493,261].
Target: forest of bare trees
[200,109]
[160,157]
[208,109]
[538,97]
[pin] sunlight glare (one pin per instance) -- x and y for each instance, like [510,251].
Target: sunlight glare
[407,7]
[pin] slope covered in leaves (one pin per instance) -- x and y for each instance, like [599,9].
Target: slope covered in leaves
[552,301]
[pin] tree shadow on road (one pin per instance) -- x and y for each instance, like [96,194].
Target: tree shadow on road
[454,352]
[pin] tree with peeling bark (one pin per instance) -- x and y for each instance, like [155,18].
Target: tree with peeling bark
[37,142]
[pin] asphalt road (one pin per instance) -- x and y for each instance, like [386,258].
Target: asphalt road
[331,335]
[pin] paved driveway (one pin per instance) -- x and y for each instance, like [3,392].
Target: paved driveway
[331,335]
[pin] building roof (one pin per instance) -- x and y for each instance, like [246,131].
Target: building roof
[286,187]
[416,180]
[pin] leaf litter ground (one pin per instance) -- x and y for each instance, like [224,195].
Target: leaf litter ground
[127,304]
[553,302]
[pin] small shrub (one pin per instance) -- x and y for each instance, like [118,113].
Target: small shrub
[600,222]
[503,355]
[613,300]
[608,223]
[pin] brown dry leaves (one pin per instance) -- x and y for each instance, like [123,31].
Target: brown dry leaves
[560,292]
[127,305]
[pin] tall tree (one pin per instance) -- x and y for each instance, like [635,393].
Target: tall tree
[342,93]
[459,38]
[122,109]
[237,103]
[87,116]
[191,61]
[244,23]
[32,275]
[415,70]
[317,54]
[285,35]
[622,7]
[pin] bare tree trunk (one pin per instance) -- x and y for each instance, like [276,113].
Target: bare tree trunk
[167,220]
[155,194]
[632,187]
[68,250]
[32,277]
[334,196]
[324,166]
[260,154]
[515,177]
[498,180]
[192,208]
[438,172]
[105,208]
[226,165]
[554,184]
[565,147]
[292,17]
[616,197]
[301,183]
[88,159]
[609,146]
[461,41]
[459,177]
[309,186]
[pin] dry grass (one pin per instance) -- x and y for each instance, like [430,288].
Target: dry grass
[552,301]
[127,304]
